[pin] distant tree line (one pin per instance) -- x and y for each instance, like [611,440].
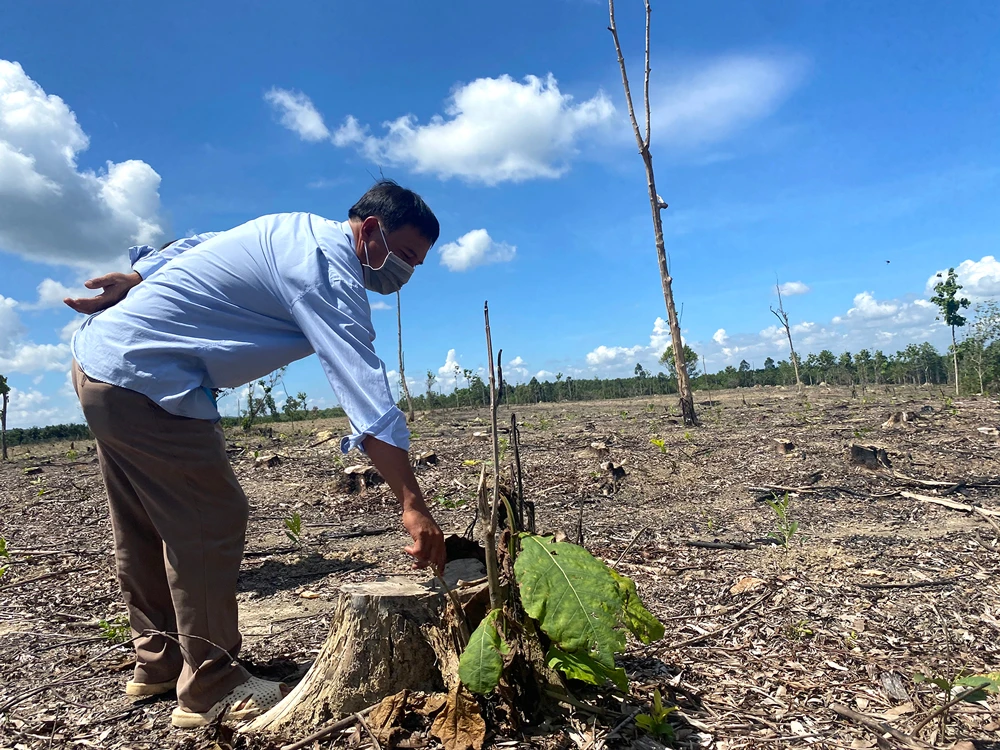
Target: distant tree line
[27,435]
[978,356]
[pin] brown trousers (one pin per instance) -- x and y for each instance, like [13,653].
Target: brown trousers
[179,518]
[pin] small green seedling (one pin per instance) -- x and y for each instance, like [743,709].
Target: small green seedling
[655,722]
[447,502]
[688,437]
[72,455]
[4,554]
[798,631]
[659,443]
[471,462]
[503,445]
[293,528]
[116,630]
[785,527]
[973,688]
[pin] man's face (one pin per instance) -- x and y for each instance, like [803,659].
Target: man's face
[406,243]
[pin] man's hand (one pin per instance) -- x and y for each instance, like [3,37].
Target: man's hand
[394,466]
[114,285]
[428,541]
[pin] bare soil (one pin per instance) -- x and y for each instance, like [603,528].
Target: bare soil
[872,588]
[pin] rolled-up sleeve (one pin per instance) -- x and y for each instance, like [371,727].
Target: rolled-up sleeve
[147,260]
[334,318]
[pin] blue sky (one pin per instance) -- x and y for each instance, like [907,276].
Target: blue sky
[812,140]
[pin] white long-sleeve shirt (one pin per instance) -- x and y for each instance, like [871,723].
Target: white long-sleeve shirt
[221,310]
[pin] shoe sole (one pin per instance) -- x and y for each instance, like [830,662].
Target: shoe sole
[182,719]
[146,689]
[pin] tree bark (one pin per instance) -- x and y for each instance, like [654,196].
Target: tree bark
[384,637]
[954,354]
[402,372]
[3,427]
[683,382]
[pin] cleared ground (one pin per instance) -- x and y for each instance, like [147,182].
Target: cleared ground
[874,586]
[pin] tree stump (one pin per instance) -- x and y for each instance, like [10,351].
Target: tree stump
[385,636]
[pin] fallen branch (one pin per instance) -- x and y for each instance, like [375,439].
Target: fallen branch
[880,727]
[43,576]
[738,620]
[628,546]
[915,585]
[720,545]
[326,731]
[965,507]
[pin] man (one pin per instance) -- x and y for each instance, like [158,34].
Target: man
[218,311]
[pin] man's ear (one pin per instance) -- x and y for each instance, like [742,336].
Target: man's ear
[369,228]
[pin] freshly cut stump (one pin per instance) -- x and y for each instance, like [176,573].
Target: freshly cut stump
[386,636]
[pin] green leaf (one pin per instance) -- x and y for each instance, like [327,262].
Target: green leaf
[481,663]
[578,666]
[572,595]
[639,620]
[985,683]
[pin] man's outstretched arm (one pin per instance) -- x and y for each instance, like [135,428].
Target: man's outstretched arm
[394,465]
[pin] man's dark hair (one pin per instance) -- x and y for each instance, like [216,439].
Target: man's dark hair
[395,207]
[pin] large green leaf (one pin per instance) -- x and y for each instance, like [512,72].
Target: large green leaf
[482,661]
[639,620]
[572,595]
[578,666]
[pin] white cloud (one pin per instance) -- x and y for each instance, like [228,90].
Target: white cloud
[544,374]
[380,305]
[979,278]
[701,106]
[720,337]
[298,114]
[67,331]
[517,366]
[52,293]
[494,130]
[866,307]
[620,360]
[35,409]
[18,355]
[791,288]
[50,210]
[475,248]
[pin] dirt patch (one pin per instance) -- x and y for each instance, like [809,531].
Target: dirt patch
[872,588]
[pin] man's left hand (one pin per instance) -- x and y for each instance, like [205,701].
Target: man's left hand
[114,287]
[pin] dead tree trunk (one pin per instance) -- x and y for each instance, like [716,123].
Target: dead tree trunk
[402,372]
[782,317]
[4,398]
[384,637]
[657,205]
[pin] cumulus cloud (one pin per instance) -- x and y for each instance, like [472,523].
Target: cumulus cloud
[518,367]
[35,409]
[50,210]
[380,305]
[709,103]
[475,248]
[720,337]
[52,293]
[791,288]
[493,130]
[19,355]
[544,374]
[979,278]
[866,307]
[298,114]
[870,323]
[620,360]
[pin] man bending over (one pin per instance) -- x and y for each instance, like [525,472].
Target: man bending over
[218,311]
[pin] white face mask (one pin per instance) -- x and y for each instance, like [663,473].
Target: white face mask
[390,276]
